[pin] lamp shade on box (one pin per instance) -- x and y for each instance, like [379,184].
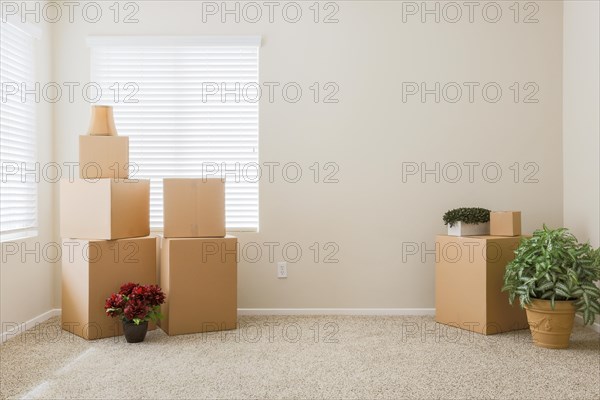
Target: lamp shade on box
[102,122]
[199,279]
[103,157]
[505,223]
[94,269]
[104,208]
[194,207]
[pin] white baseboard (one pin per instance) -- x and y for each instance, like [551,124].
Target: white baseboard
[595,326]
[20,328]
[336,311]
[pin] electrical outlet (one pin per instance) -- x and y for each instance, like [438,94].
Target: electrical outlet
[282,269]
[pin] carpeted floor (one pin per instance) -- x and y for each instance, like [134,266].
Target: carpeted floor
[302,357]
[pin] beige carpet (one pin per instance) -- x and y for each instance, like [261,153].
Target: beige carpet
[302,357]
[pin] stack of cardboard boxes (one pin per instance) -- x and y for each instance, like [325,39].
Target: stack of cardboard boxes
[198,269]
[105,226]
[469,276]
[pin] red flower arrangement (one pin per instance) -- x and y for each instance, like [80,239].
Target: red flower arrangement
[136,303]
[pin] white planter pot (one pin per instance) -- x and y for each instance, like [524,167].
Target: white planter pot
[462,229]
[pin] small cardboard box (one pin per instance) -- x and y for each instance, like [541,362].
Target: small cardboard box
[104,209]
[469,275]
[505,223]
[103,157]
[194,207]
[94,269]
[199,278]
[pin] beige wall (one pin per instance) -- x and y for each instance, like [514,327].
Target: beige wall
[369,134]
[371,213]
[581,119]
[29,289]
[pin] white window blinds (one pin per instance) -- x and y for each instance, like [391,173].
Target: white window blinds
[190,108]
[18,144]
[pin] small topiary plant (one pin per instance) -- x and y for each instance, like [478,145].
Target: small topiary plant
[468,215]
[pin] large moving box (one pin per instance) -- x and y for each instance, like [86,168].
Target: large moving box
[104,209]
[469,276]
[194,207]
[103,157]
[94,269]
[199,278]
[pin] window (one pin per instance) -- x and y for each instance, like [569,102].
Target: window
[18,144]
[190,108]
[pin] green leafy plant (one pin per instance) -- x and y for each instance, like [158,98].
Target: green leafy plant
[553,265]
[468,215]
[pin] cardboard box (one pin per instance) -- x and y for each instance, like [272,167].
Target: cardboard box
[194,207]
[104,209]
[469,276]
[103,157]
[93,270]
[505,223]
[199,278]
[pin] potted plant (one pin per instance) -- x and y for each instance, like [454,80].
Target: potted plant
[467,221]
[135,304]
[553,275]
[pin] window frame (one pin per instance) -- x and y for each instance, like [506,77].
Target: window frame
[33,34]
[187,41]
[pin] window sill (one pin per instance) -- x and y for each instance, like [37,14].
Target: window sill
[18,234]
[229,230]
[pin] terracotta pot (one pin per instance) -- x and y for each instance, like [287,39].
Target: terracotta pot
[102,122]
[135,333]
[551,328]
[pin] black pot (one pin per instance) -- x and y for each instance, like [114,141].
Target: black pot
[135,333]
